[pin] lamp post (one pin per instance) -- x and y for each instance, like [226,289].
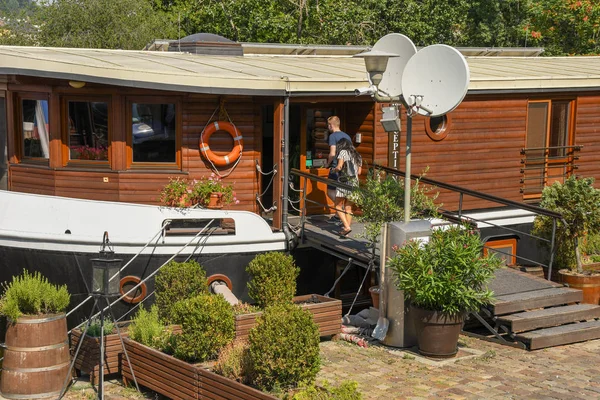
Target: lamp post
[376,64]
[104,268]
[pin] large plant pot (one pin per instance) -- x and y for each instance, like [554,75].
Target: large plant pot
[36,357]
[588,284]
[437,334]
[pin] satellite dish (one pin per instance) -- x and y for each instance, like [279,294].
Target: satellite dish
[395,43]
[437,77]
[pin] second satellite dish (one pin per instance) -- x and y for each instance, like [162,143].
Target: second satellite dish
[401,45]
[440,75]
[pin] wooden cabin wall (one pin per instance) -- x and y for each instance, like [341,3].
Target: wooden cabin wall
[360,119]
[143,185]
[587,131]
[481,151]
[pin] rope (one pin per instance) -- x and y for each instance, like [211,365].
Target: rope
[340,277]
[371,265]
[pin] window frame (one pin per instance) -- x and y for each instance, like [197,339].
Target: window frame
[141,165]
[443,133]
[492,244]
[19,133]
[65,131]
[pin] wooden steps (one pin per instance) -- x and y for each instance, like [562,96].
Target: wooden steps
[546,317]
[553,316]
[549,297]
[559,335]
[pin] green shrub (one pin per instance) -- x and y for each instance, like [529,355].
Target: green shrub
[207,324]
[233,361]
[95,326]
[578,201]
[32,294]
[347,390]
[284,348]
[245,308]
[272,278]
[147,329]
[177,281]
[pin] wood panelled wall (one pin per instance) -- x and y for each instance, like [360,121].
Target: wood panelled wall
[481,151]
[143,186]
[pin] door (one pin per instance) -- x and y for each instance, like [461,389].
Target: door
[549,153]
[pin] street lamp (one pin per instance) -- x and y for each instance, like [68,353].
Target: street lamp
[376,63]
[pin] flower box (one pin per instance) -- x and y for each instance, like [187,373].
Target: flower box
[88,358]
[327,314]
[178,379]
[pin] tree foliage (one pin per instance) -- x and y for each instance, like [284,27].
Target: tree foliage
[560,26]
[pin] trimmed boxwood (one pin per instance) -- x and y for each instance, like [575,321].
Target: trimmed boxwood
[272,278]
[177,281]
[283,348]
[207,325]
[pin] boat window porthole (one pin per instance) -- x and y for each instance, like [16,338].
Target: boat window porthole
[437,128]
[129,282]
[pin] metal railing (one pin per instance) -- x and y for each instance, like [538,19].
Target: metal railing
[459,214]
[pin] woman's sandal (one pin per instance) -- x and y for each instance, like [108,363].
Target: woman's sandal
[345,232]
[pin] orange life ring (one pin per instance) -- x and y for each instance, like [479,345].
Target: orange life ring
[236,152]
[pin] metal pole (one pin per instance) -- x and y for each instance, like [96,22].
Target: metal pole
[407,168]
[101,367]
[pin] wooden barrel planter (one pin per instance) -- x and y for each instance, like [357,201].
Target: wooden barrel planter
[36,357]
[588,284]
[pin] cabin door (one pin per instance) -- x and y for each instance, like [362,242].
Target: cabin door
[3,144]
[548,156]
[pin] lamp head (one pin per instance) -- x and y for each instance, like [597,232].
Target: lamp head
[376,63]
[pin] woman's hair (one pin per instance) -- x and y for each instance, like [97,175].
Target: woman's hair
[345,144]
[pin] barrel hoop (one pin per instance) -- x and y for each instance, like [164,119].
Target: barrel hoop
[53,395]
[38,320]
[41,348]
[584,285]
[41,369]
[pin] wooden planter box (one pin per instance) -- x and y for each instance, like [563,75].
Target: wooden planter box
[88,358]
[327,315]
[178,379]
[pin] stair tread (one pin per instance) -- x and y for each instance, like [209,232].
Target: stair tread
[560,330]
[512,303]
[548,312]
[535,294]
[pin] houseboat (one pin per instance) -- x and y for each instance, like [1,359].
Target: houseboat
[89,137]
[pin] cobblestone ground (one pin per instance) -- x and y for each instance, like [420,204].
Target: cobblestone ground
[483,370]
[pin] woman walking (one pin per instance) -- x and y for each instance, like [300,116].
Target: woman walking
[348,167]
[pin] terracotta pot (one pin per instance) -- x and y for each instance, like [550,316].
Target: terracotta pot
[374,291]
[215,200]
[589,284]
[437,334]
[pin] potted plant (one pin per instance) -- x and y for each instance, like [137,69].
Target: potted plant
[443,279]
[381,200]
[579,203]
[209,192]
[36,357]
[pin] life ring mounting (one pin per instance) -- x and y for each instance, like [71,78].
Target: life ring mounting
[238,143]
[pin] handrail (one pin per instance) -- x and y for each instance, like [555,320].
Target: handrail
[473,193]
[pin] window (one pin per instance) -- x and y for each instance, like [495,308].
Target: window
[3,145]
[153,132]
[549,151]
[35,136]
[88,124]
[437,128]
[505,249]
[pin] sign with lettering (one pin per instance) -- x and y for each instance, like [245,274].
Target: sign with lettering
[394,150]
